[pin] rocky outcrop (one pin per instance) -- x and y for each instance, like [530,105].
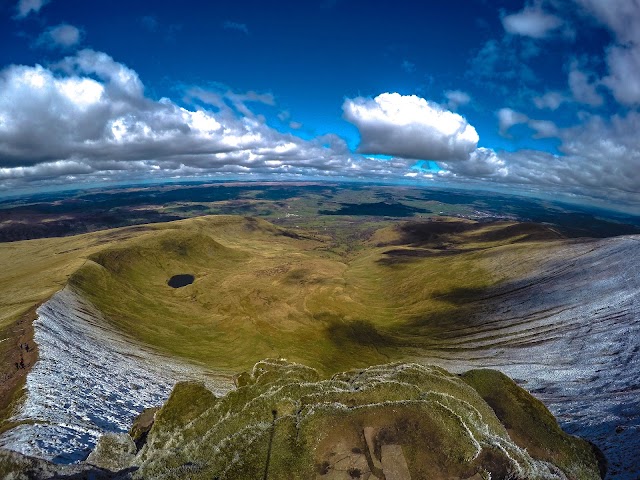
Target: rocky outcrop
[114,451]
[16,466]
[142,426]
[396,421]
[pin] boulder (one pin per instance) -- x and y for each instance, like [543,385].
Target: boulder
[114,452]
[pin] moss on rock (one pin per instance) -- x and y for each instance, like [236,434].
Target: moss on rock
[396,421]
[286,422]
[531,425]
[113,452]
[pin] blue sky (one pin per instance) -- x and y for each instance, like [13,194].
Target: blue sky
[538,96]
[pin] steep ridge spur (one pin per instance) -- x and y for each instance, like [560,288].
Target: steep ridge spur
[90,379]
[570,331]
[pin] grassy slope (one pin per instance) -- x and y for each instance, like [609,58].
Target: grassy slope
[259,291]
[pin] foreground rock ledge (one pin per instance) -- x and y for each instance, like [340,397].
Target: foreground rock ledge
[395,422]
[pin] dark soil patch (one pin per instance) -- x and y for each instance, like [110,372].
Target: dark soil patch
[419,234]
[380,209]
[182,280]
[18,353]
[359,332]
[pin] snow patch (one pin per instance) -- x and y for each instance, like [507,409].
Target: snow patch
[89,380]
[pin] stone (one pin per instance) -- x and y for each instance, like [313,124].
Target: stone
[394,465]
[114,452]
[142,425]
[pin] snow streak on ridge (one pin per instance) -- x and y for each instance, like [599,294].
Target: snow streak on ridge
[570,334]
[88,380]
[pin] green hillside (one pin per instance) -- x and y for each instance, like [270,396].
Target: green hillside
[262,291]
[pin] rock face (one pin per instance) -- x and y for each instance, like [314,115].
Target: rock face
[16,466]
[114,451]
[397,421]
[142,425]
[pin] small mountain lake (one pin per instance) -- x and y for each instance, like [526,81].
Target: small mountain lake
[181,280]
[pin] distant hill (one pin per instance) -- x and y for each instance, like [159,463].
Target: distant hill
[289,204]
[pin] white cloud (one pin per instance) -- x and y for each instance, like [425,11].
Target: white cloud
[544,128]
[119,79]
[241,27]
[60,36]
[411,127]
[89,119]
[624,74]
[230,101]
[622,17]
[582,88]
[550,100]
[482,163]
[284,115]
[601,159]
[25,7]
[507,118]
[532,21]
[456,98]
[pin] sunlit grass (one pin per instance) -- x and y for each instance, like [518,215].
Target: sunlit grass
[261,291]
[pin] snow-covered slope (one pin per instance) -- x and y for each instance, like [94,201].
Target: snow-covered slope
[570,333]
[89,380]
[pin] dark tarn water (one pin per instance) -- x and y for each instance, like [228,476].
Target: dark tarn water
[181,280]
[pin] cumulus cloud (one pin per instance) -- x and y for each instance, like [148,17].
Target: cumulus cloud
[61,36]
[482,163]
[550,100]
[507,118]
[411,127]
[25,7]
[532,21]
[456,98]
[88,118]
[544,128]
[622,17]
[624,76]
[583,88]
[600,159]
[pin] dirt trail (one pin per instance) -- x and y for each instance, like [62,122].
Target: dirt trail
[18,354]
